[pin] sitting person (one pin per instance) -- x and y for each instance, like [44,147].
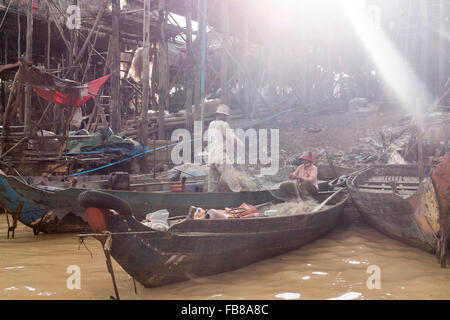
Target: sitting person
[306,179]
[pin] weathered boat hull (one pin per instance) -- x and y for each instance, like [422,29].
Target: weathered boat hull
[36,216]
[197,248]
[177,203]
[413,218]
[58,211]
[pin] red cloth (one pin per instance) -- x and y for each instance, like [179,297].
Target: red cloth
[72,98]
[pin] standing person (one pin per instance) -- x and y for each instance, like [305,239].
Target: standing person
[306,178]
[222,176]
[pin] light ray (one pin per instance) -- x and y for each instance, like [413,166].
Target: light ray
[392,66]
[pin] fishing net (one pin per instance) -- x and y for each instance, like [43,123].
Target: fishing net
[293,207]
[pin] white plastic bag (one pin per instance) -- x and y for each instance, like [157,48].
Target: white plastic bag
[157,220]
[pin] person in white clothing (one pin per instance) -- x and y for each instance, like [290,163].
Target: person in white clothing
[222,176]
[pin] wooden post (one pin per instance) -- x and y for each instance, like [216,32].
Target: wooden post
[49,43]
[19,33]
[442,60]
[224,56]
[28,58]
[190,86]
[6,48]
[245,77]
[202,37]
[115,69]
[420,140]
[145,83]
[163,74]
[424,43]
[5,128]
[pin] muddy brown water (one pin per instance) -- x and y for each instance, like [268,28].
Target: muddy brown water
[332,267]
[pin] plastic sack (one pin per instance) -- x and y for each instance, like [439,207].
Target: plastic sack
[157,220]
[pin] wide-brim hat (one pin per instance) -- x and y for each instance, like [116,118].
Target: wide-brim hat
[223,109]
[307,155]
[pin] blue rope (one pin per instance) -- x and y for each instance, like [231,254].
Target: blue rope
[6,12]
[164,147]
[129,158]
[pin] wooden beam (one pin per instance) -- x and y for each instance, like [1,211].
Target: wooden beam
[115,69]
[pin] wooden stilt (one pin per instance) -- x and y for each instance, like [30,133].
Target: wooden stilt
[224,56]
[163,74]
[189,84]
[28,58]
[146,89]
[111,271]
[115,69]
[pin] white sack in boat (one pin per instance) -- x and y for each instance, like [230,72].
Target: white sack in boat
[157,220]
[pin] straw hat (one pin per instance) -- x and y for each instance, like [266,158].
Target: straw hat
[223,109]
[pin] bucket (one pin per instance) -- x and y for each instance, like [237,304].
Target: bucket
[194,187]
[176,188]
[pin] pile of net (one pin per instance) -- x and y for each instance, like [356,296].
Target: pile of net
[294,207]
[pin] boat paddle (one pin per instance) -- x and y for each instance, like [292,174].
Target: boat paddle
[320,206]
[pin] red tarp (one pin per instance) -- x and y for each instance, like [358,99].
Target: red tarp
[72,98]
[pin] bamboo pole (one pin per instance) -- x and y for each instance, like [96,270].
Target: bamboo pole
[5,128]
[91,32]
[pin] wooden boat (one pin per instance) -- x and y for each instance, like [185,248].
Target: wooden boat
[392,200]
[196,248]
[58,204]
[55,209]
[56,218]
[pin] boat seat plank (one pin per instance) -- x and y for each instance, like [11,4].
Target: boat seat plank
[388,187]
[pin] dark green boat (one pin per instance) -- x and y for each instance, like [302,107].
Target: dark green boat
[64,202]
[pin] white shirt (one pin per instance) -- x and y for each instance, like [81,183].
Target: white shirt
[218,133]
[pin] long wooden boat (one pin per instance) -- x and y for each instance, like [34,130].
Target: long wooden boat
[195,248]
[55,210]
[54,218]
[59,204]
[392,200]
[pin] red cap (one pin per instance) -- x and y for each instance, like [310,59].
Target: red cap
[307,155]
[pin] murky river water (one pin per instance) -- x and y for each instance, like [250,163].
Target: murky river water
[335,266]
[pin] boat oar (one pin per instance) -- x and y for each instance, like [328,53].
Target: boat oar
[320,206]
